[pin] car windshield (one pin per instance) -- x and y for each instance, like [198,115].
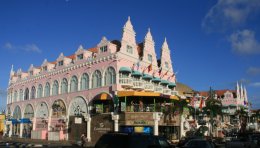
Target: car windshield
[112,141]
[198,143]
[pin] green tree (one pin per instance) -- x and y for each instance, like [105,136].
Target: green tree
[213,108]
[242,115]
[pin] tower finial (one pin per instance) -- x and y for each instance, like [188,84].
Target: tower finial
[129,19]
[165,40]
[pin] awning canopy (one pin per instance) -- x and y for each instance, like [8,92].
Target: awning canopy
[125,69]
[103,96]
[136,73]
[137,93]
[146,76]
[171,84]
[155,79]
[25,120]
[14,121]
[164,82]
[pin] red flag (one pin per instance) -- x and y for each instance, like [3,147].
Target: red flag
[150,68]
[133,67]
[160,71]
[201,103]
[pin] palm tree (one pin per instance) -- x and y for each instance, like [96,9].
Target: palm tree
[182,103]
[213,108]
[242,115]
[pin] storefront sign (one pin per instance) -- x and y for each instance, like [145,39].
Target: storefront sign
[101,128]
[78,120]
[140,122]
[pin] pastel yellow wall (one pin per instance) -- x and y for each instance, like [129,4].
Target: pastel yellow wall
[2,120]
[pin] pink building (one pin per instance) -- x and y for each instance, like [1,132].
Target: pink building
[117,85]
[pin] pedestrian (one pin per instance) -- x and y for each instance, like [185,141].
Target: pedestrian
[83,140]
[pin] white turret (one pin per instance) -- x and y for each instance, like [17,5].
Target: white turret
[242,93]
[166,62]
[128,42]
[245,95]
[149,55]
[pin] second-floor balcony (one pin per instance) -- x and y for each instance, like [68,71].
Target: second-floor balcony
[174,92]
[138,84]
[148,87]
[158,89]
[126,82]
[167,91]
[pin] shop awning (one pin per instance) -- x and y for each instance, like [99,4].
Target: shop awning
[164,82]
[14,121]
[137,93]
[25,120]
[136,73]
[125,69]
[173,97]
[146,76]
[103,96]
[155,79]
[171,84]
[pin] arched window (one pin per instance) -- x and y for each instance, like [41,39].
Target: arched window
[21,95]
[74,84]
[84,82]
[39,91]
[33,93]
[15,96]
[26,94]
[47,90]
[55,88]
[64,86]
[96,79]
[110,76]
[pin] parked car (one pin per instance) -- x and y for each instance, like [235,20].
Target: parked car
[199,143]
[125,140]
[248,140]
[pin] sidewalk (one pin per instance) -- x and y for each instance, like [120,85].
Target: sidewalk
[41,142]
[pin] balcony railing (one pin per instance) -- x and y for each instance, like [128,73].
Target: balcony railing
[148,87]
[126,82]
[167,91]
[138,84]
[158,89]
[173,92]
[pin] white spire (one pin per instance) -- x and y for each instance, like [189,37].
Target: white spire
[12,70]
[80,47]
[165,44]
[245,94]
[128,25]
[242,93]
[238,91]
[149,36]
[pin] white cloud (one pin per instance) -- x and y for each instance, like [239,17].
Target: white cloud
[253,70]
[229,13]
[32,48]
[244,42]
[16,48]
[255,84]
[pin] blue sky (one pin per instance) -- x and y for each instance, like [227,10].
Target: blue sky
[213,42]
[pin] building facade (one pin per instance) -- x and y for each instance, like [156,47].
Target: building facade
[115,86]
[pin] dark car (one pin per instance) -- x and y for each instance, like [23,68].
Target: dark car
[124,140]
[199,143]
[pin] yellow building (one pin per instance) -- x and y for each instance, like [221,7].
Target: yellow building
[2,120]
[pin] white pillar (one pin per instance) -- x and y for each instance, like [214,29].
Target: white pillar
[156,117]
[115,118]
[181,126]
[34,124]
[21,130]
[88,119]
[11,130]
